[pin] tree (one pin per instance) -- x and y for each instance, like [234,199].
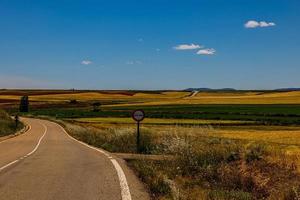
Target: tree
[96,106]
[24,104]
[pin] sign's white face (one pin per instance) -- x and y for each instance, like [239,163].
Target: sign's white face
[138,115]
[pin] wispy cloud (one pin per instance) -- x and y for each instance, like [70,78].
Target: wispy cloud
[256,24]
[187,47]
[140,40]
[206,52]
[86,62]
[133,62]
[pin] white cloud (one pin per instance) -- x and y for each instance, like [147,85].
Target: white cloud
[158,50]
[86,62]
[132,62]
[140,40]
[187,47]
[206,52]
[256,24]
[129,62]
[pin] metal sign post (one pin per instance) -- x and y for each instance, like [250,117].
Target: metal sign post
[138,116]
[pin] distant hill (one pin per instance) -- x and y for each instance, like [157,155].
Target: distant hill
[232,90]
[287,89]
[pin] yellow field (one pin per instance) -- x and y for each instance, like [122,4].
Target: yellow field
[223,98]
[173,98]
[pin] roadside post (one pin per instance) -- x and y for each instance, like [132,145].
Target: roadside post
[17,121]
[138,116]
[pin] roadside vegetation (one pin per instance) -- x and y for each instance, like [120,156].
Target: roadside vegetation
[203,165]
[7,124]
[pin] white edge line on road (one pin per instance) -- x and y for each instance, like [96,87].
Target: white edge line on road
[125,192]
[35,148]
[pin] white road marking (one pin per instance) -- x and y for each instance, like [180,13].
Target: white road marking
[123,182]
[125,192]
[23,157]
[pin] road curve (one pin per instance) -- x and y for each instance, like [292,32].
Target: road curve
[45,163]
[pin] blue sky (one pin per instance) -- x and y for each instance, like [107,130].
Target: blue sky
[154,44]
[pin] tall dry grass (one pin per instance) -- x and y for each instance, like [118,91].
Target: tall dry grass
[205,167]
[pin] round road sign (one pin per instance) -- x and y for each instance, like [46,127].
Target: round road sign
[138,115]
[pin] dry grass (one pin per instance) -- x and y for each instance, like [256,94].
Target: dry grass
[7,125]
[164,98]
[286,137]
[207,165]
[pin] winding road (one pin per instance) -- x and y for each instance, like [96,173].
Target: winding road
[46,163]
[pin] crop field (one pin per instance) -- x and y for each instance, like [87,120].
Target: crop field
[227,145]
[158,97]
[160,121]
[268,114]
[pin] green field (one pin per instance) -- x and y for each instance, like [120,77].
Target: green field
[261,114]
[161,121]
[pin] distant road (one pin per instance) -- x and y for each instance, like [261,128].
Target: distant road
[194,93]
[191,94]
[45,163]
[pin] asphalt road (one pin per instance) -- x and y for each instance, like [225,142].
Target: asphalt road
[46,163]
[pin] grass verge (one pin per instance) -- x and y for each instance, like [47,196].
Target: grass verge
[204,167]
[7,125]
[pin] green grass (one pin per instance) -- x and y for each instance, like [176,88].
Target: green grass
[159,121]
[7,125]
[273,114]
[263,114]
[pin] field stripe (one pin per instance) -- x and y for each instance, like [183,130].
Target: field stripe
[125,192]
[28,154]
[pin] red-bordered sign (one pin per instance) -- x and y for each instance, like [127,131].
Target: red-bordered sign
[138,115]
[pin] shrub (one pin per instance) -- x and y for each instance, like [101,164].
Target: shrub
[7,124]
[255,152]
[229,195]
[113,139]
[149,173]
